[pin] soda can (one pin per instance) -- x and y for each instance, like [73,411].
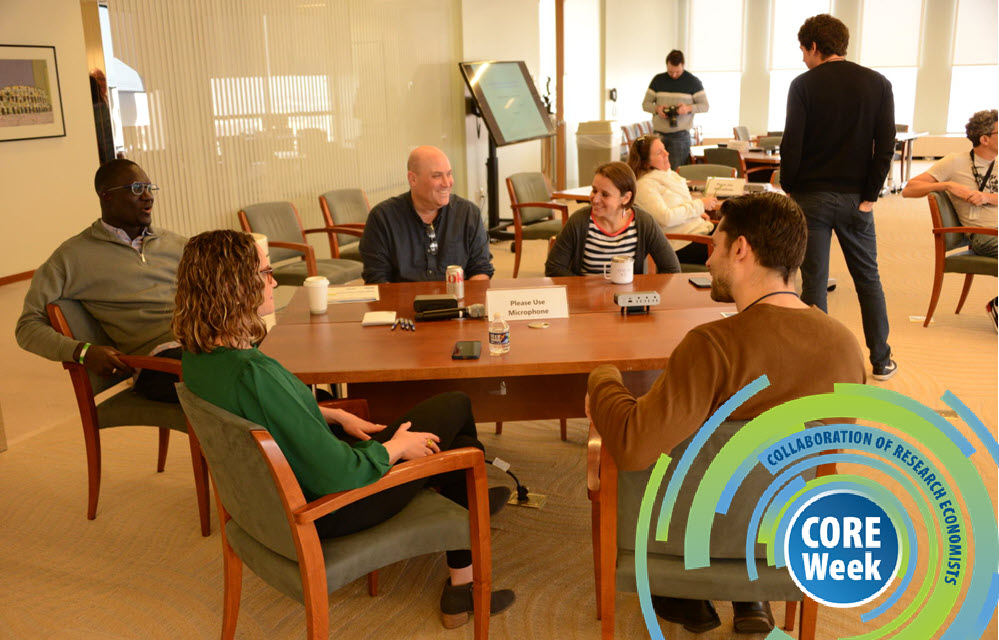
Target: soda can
[455,278]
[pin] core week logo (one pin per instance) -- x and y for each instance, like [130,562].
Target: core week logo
[847,539]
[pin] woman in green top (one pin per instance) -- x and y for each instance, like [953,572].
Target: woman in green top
[224,285]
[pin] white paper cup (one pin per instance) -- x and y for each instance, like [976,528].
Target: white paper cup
[317,287]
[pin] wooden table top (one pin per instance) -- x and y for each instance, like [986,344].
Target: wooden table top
[335,347]
[586,294]
[348,352]
[751,157]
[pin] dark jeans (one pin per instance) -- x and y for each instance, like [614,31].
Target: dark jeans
[449,416]
[693,253]
[157,385]
[678,146]
[827,212]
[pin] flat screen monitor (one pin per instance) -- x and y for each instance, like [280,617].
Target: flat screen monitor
[508,101]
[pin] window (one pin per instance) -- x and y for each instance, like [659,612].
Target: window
[974,80]
[714,55]
[785,56]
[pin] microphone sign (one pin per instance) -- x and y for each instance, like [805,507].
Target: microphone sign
[842,549]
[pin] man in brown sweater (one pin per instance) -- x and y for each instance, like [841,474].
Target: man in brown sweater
[758,246]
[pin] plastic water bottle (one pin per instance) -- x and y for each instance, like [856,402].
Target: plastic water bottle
[499,336]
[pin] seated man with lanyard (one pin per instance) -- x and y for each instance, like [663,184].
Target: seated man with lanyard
[970,182]
[758,246]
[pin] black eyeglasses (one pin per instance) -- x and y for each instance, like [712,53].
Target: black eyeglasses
[432,249]
[138,187]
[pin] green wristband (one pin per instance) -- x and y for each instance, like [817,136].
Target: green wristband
[83,352]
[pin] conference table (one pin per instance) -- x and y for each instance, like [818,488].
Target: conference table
[543,376]
[751,157]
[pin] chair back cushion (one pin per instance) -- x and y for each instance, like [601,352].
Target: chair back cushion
[705,171]
[947,218]
[531,187]
[86,328]
[727,157]
[769,142]
[741,132]
[347,206]
[728,532]
[277,221]
[239,472]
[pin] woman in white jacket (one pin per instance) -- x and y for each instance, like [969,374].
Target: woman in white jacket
[664,195]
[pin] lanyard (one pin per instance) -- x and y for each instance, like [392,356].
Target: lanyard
[774,293]
[980,181]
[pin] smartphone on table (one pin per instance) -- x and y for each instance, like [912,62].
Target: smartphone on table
[701,282]
[467,350]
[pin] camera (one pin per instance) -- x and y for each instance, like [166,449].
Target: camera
[672,113]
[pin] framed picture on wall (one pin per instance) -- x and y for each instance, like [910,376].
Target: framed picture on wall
[30,99]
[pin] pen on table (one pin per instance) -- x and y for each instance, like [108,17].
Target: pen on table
[395,324]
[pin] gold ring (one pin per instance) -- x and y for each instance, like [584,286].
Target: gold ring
[430,443]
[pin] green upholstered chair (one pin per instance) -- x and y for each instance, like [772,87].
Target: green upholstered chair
[948,235]
[533,211]
[741,133]
[701,172]
[727,157]
[769,142]
[775,178]
[125,408]
[267,524]
[615,500]
[347,210]
[292,257]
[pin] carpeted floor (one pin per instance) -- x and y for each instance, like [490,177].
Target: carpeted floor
[141,569]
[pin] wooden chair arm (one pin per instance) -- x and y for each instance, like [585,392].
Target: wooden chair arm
[765,167]
[356,230]
[983,230]
[357,406]
[304,247]
[453,460]
[593,444]
[705,240]
[166,365]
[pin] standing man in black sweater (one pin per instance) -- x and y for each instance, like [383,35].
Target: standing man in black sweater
[839,139]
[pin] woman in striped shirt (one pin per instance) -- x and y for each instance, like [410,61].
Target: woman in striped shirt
[610,226]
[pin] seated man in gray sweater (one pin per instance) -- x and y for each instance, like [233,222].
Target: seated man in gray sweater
[123,272]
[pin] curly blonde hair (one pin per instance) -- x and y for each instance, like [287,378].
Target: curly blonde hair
[219,289]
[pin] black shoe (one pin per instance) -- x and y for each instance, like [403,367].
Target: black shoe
[456,603]
[882,372]
[498,497]
[753,617]
[696,616]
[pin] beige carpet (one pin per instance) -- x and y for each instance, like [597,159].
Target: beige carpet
[141,570]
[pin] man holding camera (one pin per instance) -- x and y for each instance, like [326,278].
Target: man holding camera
[673,98]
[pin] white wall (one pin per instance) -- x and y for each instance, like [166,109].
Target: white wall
[499,31]
[48,183]
[636,53]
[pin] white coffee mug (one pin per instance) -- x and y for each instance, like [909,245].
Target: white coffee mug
[317,287]
[622,269]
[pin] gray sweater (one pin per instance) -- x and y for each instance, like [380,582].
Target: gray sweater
[130,294]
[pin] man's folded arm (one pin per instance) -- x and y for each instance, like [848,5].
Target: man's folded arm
[33,331]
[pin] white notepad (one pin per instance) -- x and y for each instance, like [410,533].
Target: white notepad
[378,318]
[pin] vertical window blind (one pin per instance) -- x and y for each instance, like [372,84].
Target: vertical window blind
[250,101]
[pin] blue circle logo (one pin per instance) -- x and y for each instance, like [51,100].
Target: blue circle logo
[842,549]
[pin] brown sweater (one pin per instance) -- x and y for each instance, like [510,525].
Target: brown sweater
[801,351]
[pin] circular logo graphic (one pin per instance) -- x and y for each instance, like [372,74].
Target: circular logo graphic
[842,549]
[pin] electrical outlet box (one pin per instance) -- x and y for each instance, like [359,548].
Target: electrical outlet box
[637,299]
